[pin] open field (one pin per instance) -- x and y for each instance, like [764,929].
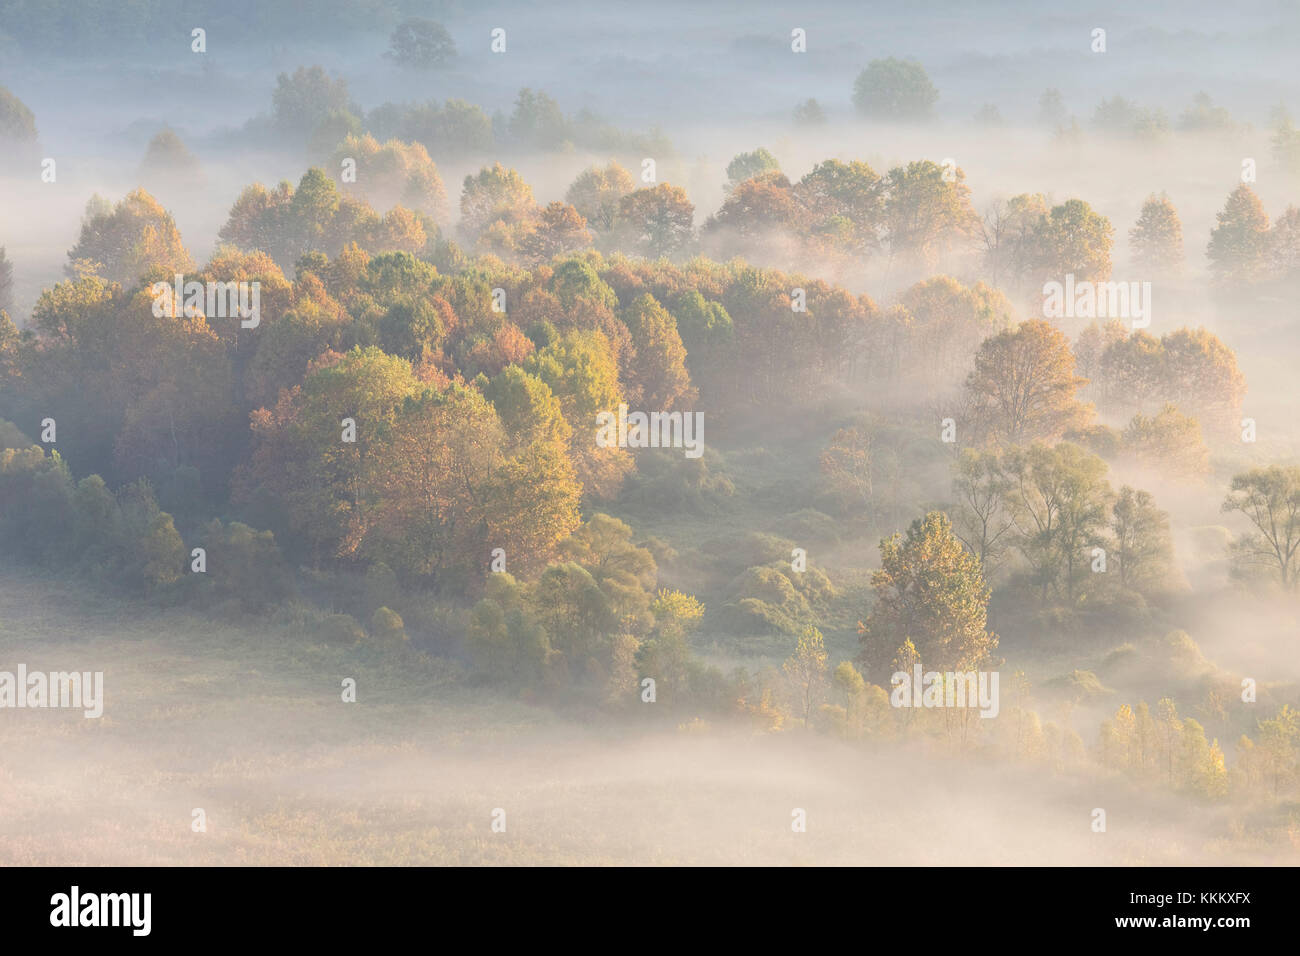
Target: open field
[250,727]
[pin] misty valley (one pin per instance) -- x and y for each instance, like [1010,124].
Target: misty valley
[357,506]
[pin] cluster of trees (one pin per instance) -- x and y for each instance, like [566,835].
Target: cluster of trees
[1047,516]
[1166,747]
[916,217]
[1244,248]
[593,624]
[314,110]
[1132,372]
[1025,243]
[286,223]
[390,174]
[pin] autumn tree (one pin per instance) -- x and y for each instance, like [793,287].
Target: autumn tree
[168,157]
[426,490]
[806,670]
[1238,246]
[756,208]
[135,237]
[842,202]
[560,230]
[1009,232]
[392,173]
[495,194]
[847,465]
[930,591]
[656,222]
[1157,238]
[949,321]
[596,194]
[1200,374]
[1089,349]
[927,212]
[580,370]
[659,374]
[1023,385]
[1076,240]
[1168,442]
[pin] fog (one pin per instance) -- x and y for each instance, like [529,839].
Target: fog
[242,717]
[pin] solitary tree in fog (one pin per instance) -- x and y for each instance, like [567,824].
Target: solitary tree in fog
[421,43]
[894,89]
[1270,500]
[1239,243]
[1157,237]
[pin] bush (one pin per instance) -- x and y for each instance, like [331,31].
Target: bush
[341,629]
[245,565]
[386,627]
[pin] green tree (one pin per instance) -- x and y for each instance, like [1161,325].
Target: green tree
[893,89]
[1075,240]
[421,43]
[301,103]
[809,113]
[538,121]
[1269,498]
[322,486]
[1143,549]
[496,194]
[1059,506]
[748,165]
